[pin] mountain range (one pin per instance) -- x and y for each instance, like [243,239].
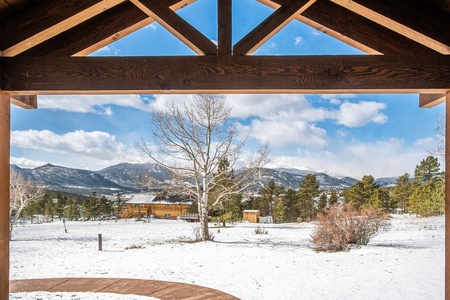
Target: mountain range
[124,178]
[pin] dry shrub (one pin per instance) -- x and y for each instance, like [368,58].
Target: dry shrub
[343,225]
[260,230]
[134,246]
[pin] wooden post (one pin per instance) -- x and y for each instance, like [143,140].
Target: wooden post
[4,194]
[447,197]
[100,242]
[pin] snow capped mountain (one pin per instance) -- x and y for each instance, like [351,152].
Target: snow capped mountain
[128,175]
[70,180]
[124,178]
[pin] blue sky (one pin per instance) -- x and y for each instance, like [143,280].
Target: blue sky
[351,135]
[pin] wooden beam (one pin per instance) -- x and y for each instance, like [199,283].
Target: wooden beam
[270,26]
[367,36]
[408,18]
[447,197]
[109,35]
[45,21]
[99,31]
[26,101]
[223,74]
[431,100]
[5,121]
[184,31]
[224,20]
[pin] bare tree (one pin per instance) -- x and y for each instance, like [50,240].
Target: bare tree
[22,192]
[191,140]
[439,151]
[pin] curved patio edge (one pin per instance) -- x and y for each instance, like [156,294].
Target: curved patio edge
[142,287]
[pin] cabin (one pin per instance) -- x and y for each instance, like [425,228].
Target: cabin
[155,205]
[251,216]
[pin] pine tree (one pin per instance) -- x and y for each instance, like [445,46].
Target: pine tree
[428,197]
[402,192]
[323,202]
[334,198]
[309,191]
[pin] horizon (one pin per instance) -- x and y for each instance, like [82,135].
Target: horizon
[384,135]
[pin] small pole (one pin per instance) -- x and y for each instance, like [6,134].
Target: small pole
[100,248]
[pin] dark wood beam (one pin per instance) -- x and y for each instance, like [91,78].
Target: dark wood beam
[223,74]
[270,26]
[224,20]
[26,101]
[5,131]
[413,19]
[40,23]
[431,100]
[99,31]
[355,30]
[184,31]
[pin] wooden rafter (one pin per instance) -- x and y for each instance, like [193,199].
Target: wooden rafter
[46,21]
[355,30]
[99,31]
[226,74]
[270,26]
[26,101]
[431,100]
[413,21]
[184,31]
[224,20]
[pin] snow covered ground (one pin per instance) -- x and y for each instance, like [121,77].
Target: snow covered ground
[406,262]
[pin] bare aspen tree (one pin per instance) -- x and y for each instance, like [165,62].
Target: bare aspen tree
[191,140]
[22,192]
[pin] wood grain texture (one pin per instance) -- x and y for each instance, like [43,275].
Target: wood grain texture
[26,101]
[224,34]
[355,30]
[399,20]
[222,74]
[5,121]
[43,22]
[431,100]
[184,31]
[270,26]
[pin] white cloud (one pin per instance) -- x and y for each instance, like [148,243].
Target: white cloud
[98,104]
[428,141]
[281,134]
[78,149]
[96,143]
[26,163]
[360,114]
[107,50]
[267,48]
[385,158]
[298,41]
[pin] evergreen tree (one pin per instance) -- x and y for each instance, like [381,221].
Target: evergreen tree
[428,197]
[427,170]
[401,192]
[334,198]
[323,201]
[366,193]
[268,196]
[309,191]
[290,203]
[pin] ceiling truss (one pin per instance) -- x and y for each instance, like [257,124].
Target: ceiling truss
[409,43]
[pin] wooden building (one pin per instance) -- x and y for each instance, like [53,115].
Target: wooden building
[161,207]
[250,215]
[44,44]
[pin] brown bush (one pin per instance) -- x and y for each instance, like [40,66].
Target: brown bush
[343,225]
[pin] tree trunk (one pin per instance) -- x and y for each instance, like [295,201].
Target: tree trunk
[204,225]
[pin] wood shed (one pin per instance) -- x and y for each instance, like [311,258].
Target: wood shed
[250,215]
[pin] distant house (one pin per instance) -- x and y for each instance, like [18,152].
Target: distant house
[157,205]
[250,215]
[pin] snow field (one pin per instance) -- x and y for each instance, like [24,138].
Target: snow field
[406,262]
